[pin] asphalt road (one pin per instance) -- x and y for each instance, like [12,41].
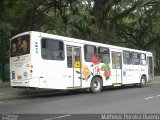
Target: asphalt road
[81,105]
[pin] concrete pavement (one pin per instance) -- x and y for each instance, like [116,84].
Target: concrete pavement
[8,93]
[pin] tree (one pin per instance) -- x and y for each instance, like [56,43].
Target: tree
[129,23]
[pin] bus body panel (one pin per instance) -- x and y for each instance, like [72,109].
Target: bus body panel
[72,72]
[49,73]
[20,60]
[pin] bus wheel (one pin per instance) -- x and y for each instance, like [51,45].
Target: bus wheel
[96,85]
[143,81]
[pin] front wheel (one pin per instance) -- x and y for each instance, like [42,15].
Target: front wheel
[96,85]
[143,81]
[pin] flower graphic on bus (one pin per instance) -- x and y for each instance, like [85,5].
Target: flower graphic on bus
[94,69]
[24,46]
[19,41]
[95,60]
[107,71]
[14,48]
[98,70]
[95,65]
[86,72]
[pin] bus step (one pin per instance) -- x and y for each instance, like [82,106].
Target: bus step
[117,85]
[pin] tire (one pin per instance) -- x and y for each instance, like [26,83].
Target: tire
[96,85]
[143,81]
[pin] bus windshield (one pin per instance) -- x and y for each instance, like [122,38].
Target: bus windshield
[20,45]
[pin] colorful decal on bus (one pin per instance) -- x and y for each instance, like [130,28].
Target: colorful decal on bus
[96,70]
[107,71]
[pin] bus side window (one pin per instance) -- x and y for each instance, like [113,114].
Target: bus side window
[52,49]
[103,54]
[135,58]
[69,57]
[89,52]
[44,48]
[126,57]
[113,61]
[142,59]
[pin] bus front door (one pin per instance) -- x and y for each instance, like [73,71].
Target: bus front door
[116,67]
[74,66]
[150,63]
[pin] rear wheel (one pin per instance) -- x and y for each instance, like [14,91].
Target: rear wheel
[143,81]
[96,85]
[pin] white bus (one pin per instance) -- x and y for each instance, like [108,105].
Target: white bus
[41,60]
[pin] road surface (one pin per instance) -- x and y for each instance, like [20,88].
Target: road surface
[128,100]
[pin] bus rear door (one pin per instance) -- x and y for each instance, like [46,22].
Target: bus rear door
[74,66]
[116,67]
[150,63]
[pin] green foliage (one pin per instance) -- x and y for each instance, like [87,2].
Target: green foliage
[129,23]
[7,76]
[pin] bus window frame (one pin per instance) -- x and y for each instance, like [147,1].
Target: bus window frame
[100,47]
[86,53]
[132,58]
[63,51]
[127,58]
[141,59]
[21,53]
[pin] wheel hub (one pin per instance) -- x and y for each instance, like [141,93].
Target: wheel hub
[96,85]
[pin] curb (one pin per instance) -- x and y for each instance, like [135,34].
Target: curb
[30,94]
